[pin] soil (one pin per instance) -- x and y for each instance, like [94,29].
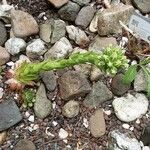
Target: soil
[81,138]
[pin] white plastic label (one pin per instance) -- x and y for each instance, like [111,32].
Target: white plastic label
[140,26]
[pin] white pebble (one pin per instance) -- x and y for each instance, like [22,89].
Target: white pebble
[54,105]
[63,133]
[138,121]
[107,112]
[30,129]
[65,141]
[126,126]
[1,92]
[54,123]
[35,127]
[31,118]
[27,114]
[85,122]
[131,128]
[49,133]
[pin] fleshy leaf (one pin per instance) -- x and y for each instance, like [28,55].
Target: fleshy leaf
[130,74]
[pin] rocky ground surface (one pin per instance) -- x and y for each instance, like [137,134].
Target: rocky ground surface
[77,108]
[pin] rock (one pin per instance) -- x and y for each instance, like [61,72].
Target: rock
[9,114]
[100,43]
[4,56]
[97,124]
[117,85]
[85,16]
[71,109]
[58,3]
[45,32]
[60,49]
[127,108]
[83,69]
[142,5]
[63,133]
[42,106]
[49,80]
[119,141]
[35,48]
[3,33]
[108,21]
[5,10]
[58,30]
[73,84]
[99,94]
[82,2]
[96,74]
[25,144]
[15,45]
[3,136]
[93,25]
[23,24]
[140,82]
[145,136]
[69,11]
[77,35]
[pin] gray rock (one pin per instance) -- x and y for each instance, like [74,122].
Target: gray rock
[60,49]
[5,11]
[3,33]
[95,74]
[4,56]
[58,3]
[99,94]
[58,30]
[69,11]
[108,21]
[100,43]
[35,48]
[117,85]
[25,144]
[23,24]
[49,80]
[145,136]
[85,16]
[97,123]
[15,45]
[42,106]
[140,82]
[71,109]
[9,114]
[119,141]
[142,5]
[82,2]
[77,35]
[45,32]
[127,108]
[73,84]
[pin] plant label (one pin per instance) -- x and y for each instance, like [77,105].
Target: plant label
[140,25]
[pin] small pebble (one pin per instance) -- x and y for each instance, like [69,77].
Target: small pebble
[54,123]
[31,118]
[30,129]
[63,133]
[85,123]
[126,126]
[107,112]
[27,114]
[1,92]
[49,133]
[65,141]
[35,127]
[131,128]
[138,121]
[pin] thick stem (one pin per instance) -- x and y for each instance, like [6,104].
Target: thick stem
[30,71]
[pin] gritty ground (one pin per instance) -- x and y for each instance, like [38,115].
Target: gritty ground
[79,134]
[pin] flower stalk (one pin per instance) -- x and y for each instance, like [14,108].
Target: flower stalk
[109,61]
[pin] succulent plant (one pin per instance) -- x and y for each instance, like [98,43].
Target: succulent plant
[109,61]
